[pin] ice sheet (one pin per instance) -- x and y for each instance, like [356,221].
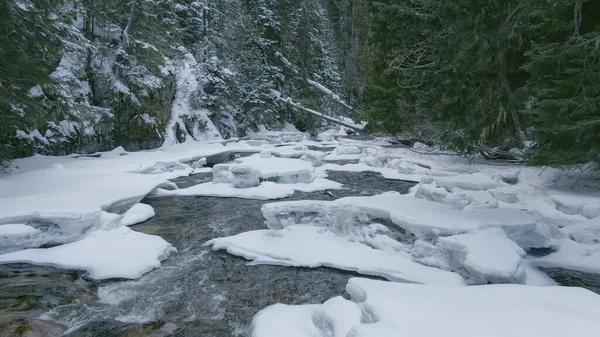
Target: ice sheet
[308,246]
[118,253]
[424,218]
[266,190]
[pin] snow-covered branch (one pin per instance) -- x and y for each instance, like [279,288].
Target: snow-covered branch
[329,93]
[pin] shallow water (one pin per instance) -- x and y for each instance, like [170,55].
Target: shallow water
[208,293]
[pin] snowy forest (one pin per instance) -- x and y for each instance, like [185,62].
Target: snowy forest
[511,79]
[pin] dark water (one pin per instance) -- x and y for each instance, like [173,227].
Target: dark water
[573,278]
[202,292]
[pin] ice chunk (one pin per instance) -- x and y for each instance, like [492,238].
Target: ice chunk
[475,182]
[584,232]
[505,194]
[281,170]
[238,176]
[136,214]
[325,137]
[118,253]
[423,218]
[586,205]
[572,255]
[309,246]
[485,256]
[389,309]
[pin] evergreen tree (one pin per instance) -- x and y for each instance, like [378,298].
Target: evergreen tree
[564,84]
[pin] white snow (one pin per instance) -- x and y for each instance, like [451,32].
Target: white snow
[587,232]
[282,170]
[423,218]
[118,253]
[383,309]
[572,255]
[266,190]
[136,214]
[309,246]
[475,181]
[486,256]
[70,198]
[187,84]
[16,230]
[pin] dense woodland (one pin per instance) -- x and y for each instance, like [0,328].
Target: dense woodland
[474,77]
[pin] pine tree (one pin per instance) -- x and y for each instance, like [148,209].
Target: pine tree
[564,87]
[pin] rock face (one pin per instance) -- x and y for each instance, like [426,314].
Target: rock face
[85,76]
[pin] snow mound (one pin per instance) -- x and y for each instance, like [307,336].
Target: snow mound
[308,246]
[118,253]
[423,218]
[383,309]
[136,214]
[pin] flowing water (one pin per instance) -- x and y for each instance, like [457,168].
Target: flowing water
[197,292]
[203,292]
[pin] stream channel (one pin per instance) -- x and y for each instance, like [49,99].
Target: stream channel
[196,292]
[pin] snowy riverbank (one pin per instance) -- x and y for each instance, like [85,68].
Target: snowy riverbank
[463,223]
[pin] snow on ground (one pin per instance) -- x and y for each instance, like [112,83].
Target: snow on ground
[309,246]
[382,309]
[118,253]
